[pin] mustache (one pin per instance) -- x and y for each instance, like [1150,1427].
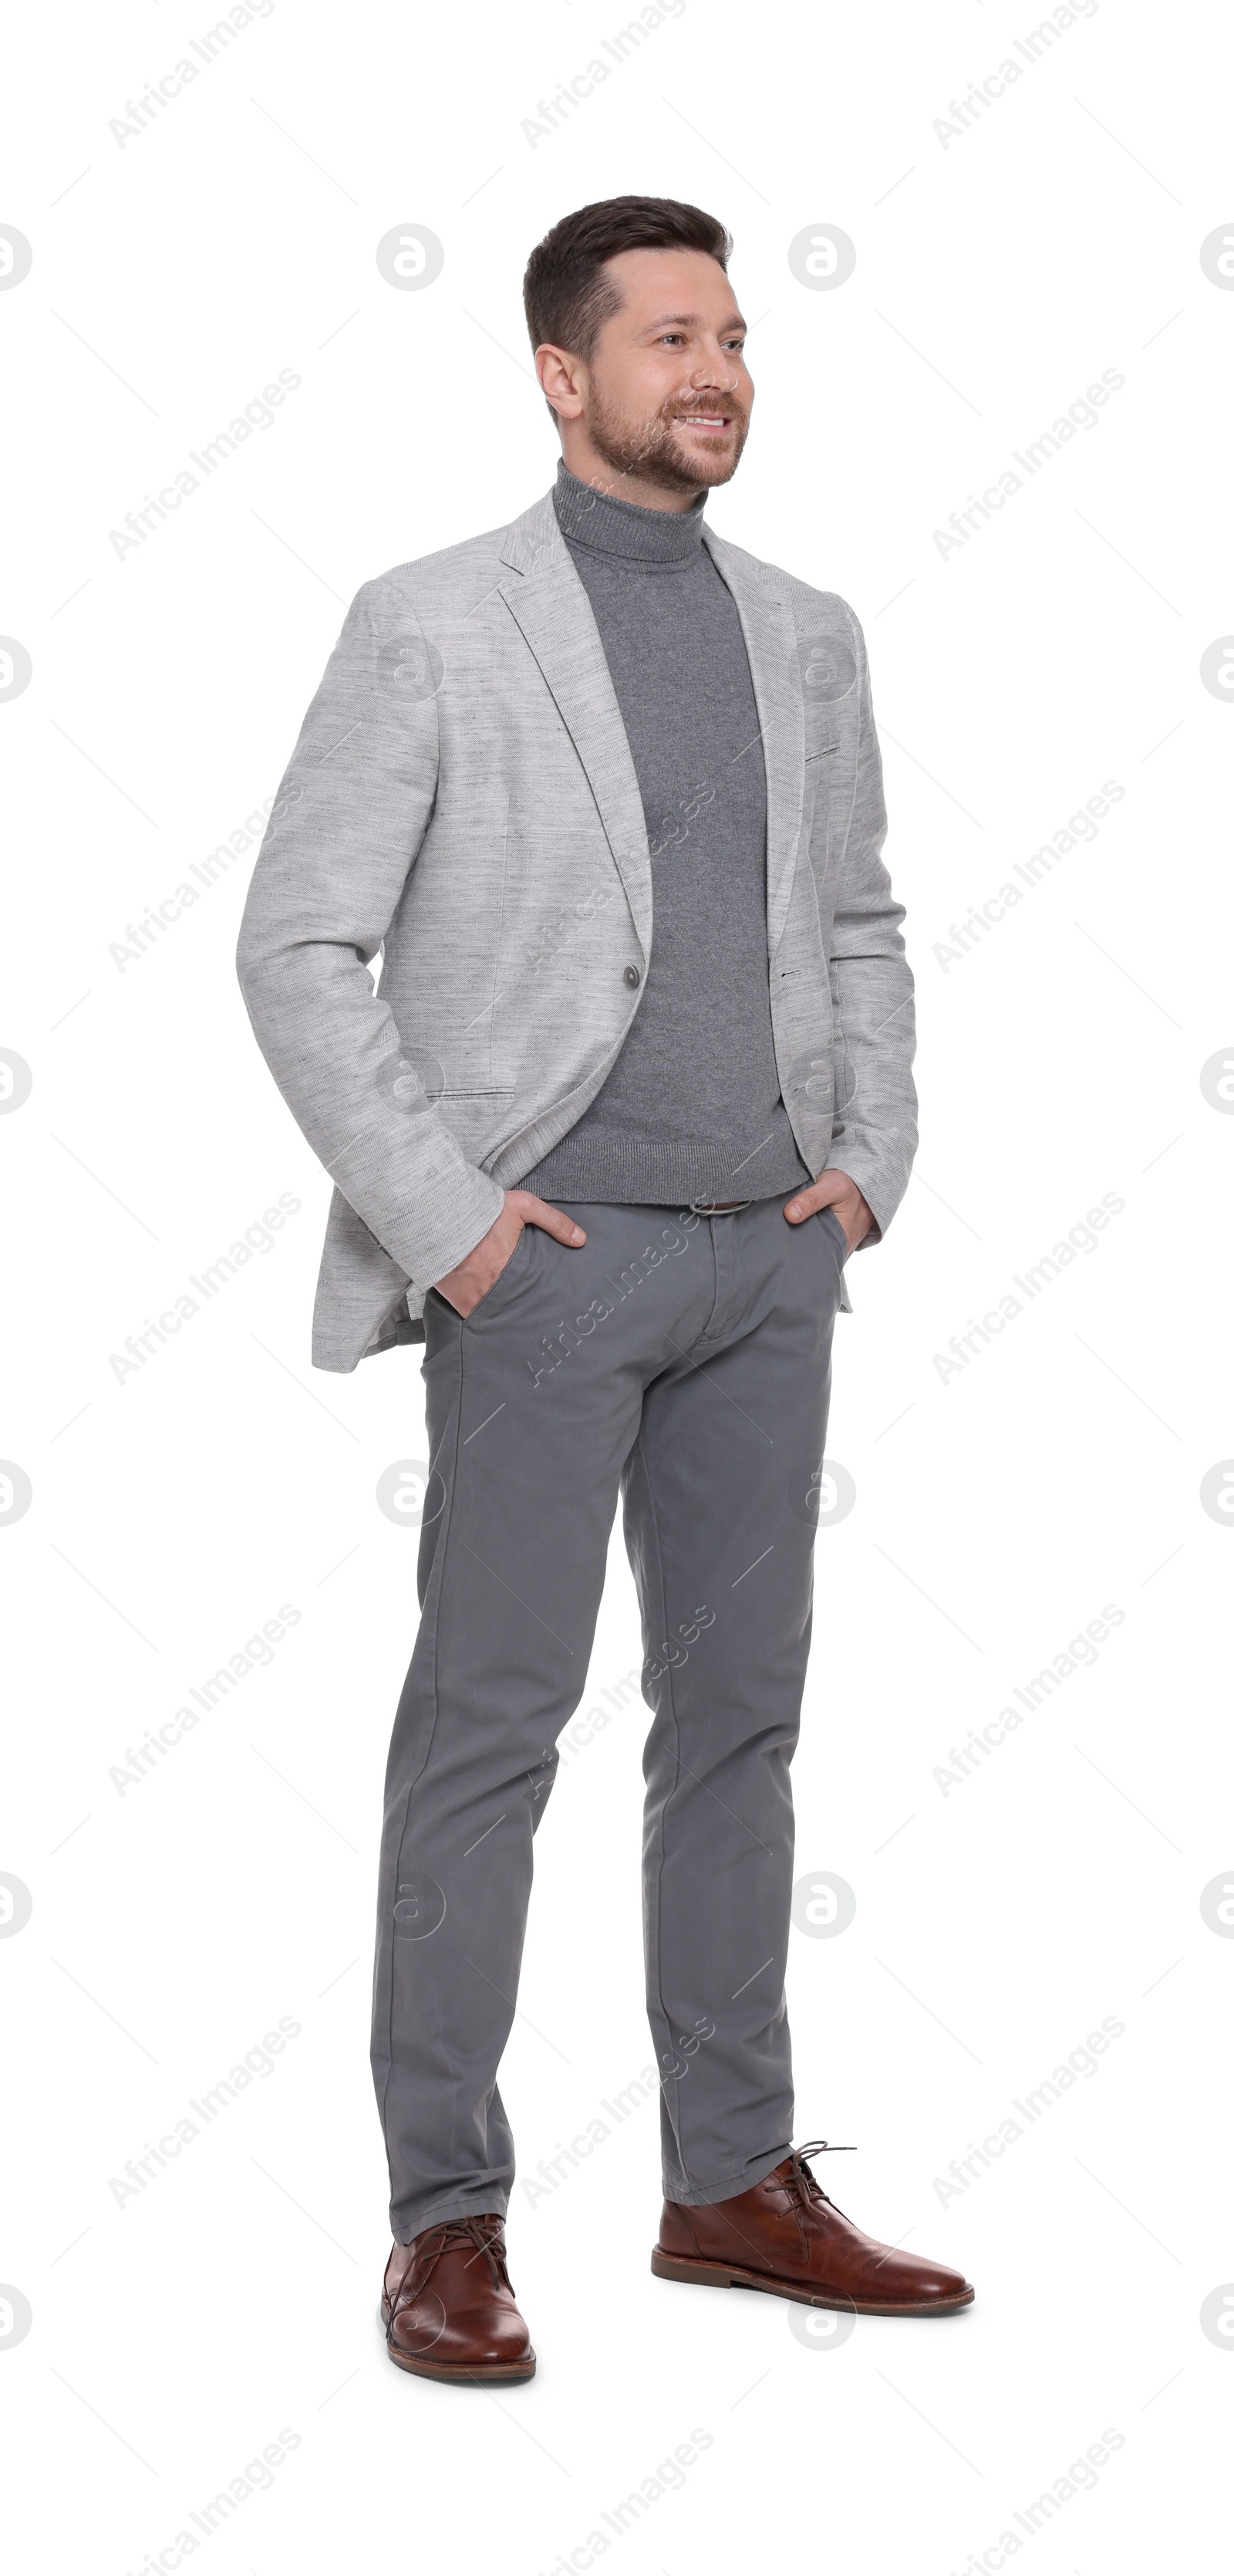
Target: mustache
[677,409]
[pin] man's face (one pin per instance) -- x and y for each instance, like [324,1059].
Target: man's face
[665,399]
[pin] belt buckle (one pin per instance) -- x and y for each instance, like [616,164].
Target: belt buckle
[718,1207]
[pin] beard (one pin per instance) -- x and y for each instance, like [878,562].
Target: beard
[648,450]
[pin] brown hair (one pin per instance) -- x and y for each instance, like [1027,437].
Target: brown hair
[566,295]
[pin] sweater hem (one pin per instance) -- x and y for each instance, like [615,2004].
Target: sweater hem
[638,1171]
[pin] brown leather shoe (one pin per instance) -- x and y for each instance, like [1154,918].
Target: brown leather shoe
[786,2236]
[448,2308]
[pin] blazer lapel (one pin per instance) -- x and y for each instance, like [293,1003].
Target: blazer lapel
[548,601]
[771,643]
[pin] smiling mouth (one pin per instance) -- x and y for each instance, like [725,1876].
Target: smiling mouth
[711,420]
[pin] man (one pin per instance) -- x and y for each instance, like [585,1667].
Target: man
[606,793]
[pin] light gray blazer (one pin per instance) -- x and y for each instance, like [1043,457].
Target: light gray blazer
[462,797]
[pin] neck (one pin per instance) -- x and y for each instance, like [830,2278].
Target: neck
[594,518]
[585,462]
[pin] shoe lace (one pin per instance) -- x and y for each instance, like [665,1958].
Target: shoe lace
[801,2182]
[483,2236]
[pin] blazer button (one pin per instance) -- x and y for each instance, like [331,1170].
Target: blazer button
[633,978]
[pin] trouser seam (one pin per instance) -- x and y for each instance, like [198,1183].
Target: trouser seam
[676,1725]
[442,1545]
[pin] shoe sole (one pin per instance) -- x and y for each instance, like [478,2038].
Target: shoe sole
[730,2276]
[454,2372]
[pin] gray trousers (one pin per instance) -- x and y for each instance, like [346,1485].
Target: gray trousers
[687,1362]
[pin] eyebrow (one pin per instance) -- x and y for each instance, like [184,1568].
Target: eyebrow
[734,322]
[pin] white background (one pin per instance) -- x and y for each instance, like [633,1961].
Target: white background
[998,273]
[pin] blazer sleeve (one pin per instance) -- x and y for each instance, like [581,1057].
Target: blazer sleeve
[343,836]
[874,1138]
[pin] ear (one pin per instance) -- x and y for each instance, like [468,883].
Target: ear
[563,380]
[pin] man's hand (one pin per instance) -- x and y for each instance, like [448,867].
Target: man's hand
[465,1285]
[833,1190]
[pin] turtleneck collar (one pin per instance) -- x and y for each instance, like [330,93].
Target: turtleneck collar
[607,526]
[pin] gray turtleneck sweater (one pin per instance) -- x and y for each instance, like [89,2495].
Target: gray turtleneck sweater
[692,1107]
